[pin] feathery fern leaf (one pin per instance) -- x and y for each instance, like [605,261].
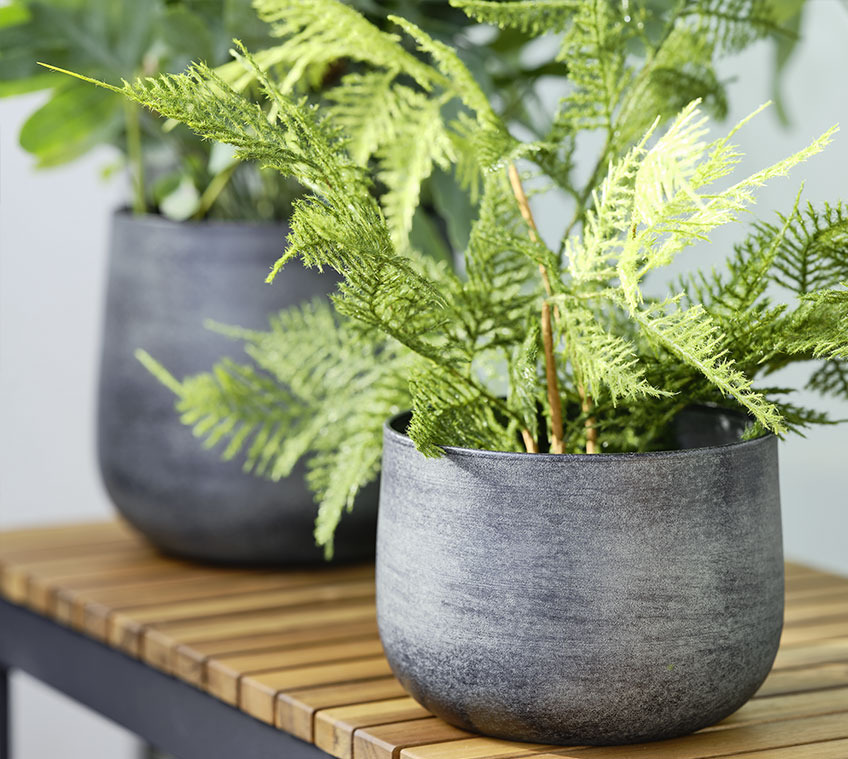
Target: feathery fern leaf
[321,31]
[594,46]
[814,250]
[535,17]
[733,24]
[604,362]
[409,158]
[693,337]
[831,378]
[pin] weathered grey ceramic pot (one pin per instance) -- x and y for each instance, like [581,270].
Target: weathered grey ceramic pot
[164,280]
[578,599]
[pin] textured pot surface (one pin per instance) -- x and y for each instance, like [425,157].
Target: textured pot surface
[164,280]
[582,599]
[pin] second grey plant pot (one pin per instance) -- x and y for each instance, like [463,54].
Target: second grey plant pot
[166,278]
[579,599]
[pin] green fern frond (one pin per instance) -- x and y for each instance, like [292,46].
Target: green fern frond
[446,411]
[594,46]
[409,158]
[733,24]
[818,328]
[462,82]
[674,212]
[814,250]
[693,337]
[525,390]
[350,458]
[604,362]
[831,378]
[534,17]
[322,31]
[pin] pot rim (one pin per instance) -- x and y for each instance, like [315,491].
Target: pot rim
[125,214]
[401,438]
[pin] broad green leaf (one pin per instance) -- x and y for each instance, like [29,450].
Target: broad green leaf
[73,121]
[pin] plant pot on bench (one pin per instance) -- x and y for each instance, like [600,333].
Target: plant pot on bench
[583,599]
[165,279]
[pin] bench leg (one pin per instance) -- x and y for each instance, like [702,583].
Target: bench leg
[5,740]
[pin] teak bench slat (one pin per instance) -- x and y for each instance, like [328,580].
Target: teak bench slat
[299,649]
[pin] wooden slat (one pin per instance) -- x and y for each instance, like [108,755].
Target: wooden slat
[824,586]
[90,609]
[796,569]
[833,604]
[224,674]
[819,652]
[724,743]
[17,578]
[208,583]
[805,679]
[16,556]
[387,741]
[126,629]
[191,662]
[791,706]
[258,693]
[295,710]
[334,727]
[474,748]
[159,645]
[797,635]
[808,574]
[837,749]
[59,536]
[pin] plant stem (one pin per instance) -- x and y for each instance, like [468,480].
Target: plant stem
[550,375]
[554,399]
[591,431]
[214,189]
[133,125]
[529,443]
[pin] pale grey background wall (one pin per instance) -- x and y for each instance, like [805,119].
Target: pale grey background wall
[53,234]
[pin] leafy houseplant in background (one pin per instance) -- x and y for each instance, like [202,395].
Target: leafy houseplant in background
[203,230]
[579,534]
[195,212]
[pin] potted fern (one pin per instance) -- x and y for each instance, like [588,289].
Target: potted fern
[579,531]
[201,232]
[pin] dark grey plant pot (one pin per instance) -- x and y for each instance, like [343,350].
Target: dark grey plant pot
[165,279]
[579,599]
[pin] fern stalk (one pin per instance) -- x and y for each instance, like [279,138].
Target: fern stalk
[133,128]
[554,400]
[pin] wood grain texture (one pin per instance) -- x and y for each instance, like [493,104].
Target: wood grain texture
[295,710]
[191,662]
[159,644]
[805,679]
[299,649]
[224,673]
[125,629]
[727,743]
[258,692]
[334,728]
[820,652]
[837,749]
[386,741]
[474,748]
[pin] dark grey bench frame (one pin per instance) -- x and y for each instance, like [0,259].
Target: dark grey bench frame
[165,712]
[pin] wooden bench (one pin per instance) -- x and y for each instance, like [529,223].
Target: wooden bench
[214,662]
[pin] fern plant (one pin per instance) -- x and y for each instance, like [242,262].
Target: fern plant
[527,347]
